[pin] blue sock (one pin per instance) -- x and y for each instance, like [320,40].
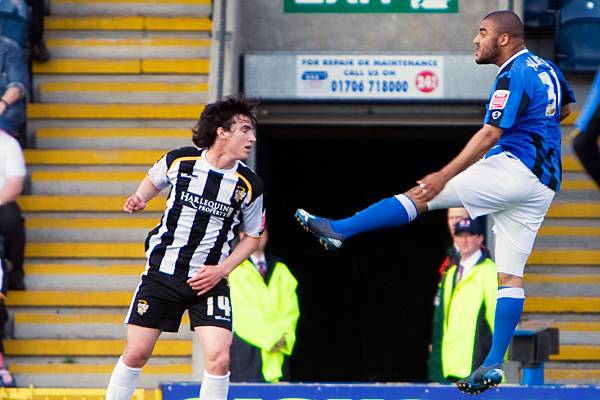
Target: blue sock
[509,308]
[393,211]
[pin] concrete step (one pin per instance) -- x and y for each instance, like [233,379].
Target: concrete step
[111,138]
[129,48]
[559,373]
[570,163]
[128,67]
[82,203]
[90,347]
[561,256]
[73,394]
[113,111]
[81,326]
[574,210]
[131,7]
[578,184]
[123,92]
[69,298]
[568,285]
[92,157]
[67,372]
[127,23]
[78,250]
[61,228]
[577,352]
[83,275]
[576,195]
[561,304]
[85,182]
[578,332]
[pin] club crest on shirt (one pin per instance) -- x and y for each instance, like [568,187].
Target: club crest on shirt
[239,194]
[142,307]
[499,99]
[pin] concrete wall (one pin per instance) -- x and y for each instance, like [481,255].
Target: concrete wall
[265,27]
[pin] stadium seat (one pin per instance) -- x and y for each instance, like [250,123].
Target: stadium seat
[539,14]
[578,47]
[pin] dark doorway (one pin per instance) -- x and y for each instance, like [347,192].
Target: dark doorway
[366,310]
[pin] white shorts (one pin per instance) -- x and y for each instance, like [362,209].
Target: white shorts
[503,187]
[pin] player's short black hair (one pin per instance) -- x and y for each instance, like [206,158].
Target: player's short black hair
[221,114]
[507,22]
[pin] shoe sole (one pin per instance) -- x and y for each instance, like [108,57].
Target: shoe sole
[469,389]
[329,244]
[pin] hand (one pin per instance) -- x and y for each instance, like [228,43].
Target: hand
[278,345]
[134,203]
[2,107]
[430,186]
[207,278]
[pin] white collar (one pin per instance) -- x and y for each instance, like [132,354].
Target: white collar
[469,262]
[517,54]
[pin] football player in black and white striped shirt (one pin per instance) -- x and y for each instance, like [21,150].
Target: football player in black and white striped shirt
[213,196]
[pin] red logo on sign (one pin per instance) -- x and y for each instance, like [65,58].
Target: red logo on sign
[499,99]
[427,81]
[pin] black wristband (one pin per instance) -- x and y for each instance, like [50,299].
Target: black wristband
[5,102]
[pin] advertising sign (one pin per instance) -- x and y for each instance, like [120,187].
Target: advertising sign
[190,391]
[370,6]
[389,77]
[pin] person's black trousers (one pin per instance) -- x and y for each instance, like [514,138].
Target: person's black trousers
[12,228]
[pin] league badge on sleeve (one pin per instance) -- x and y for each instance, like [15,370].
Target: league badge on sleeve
[499,99]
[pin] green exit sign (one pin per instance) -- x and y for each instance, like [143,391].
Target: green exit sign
[370,6]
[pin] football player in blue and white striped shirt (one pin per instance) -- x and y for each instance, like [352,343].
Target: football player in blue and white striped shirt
[514,182]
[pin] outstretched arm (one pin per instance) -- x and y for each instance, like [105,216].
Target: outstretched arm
[477,146]
[144,193]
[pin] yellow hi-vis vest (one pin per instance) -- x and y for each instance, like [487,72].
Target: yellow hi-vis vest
[462,304]
[262,313]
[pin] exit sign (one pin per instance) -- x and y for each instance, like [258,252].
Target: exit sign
[370,6]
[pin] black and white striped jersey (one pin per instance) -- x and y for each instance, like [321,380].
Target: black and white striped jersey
[205,210]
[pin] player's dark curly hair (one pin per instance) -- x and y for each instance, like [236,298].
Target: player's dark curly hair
[221,114]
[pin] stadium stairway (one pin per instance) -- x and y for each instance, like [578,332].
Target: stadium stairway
[126,82]
[563,274]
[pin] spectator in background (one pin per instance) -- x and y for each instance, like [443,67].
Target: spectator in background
[14,80]
[265,307]
[6,378]
[587,131]
[37,45]
[12,224]
[468,303]
[434,361]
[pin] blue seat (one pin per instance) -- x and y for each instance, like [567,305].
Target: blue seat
[539,14]
[578,46]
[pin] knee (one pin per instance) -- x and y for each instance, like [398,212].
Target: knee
[509,280]
[136,356]
[217,361]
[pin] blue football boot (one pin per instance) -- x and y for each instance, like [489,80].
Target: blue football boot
[482,379]
[321,228]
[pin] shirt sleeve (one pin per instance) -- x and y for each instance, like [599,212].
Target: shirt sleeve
[15,162]
[253,217]
[158,173]
[507,100]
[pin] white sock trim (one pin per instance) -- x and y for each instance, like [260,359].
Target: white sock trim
[127,366]
[217,377]
[408,205]
[511,292]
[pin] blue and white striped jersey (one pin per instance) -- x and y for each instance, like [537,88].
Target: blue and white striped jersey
[206,208]
[525,102]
